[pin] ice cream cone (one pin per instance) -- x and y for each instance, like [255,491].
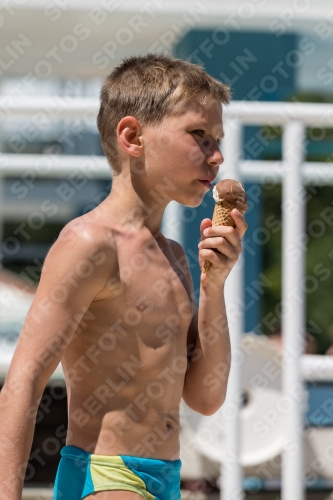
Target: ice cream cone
[222,210]
[221,217]
[222,214]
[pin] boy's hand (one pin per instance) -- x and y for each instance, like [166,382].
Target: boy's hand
[222,247]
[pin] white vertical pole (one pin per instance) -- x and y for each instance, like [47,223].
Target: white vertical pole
[172,222]
[293,308]
[231,482]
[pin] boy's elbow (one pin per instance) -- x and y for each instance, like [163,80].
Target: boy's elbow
[209,409]
[204,407]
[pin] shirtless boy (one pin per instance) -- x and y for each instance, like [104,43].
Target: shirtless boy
[115,303]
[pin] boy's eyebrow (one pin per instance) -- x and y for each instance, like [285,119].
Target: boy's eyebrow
[206,125]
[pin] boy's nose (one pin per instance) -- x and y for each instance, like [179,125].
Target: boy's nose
[215,158]
[212,152]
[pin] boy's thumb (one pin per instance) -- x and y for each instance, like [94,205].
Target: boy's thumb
[204,224]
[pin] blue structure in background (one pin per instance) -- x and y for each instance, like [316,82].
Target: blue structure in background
[259,67]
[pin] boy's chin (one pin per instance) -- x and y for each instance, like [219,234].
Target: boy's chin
[190,199]
[195,201]
[193,204]
[190,202]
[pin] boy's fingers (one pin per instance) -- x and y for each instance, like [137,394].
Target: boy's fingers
[204,225]
[220,245]
[241,225]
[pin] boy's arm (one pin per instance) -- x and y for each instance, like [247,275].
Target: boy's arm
[73,273]
[206,378]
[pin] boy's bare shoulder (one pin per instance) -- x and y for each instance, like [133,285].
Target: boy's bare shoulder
[81,242]
[88,233]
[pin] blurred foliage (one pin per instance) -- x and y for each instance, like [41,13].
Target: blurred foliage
[319,230]
[272,251]
[48,234]
[319,260]
[314,96]
[314,134]
[42,239]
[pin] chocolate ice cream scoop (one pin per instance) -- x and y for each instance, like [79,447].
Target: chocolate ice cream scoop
[232,192]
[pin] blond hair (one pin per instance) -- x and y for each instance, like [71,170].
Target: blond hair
[150,88]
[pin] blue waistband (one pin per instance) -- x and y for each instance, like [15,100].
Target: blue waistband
[138,462]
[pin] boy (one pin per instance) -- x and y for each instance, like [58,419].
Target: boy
[115,303]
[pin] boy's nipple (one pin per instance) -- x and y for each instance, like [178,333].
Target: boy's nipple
[142,306]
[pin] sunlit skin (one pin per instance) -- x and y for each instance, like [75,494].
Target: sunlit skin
[141,323]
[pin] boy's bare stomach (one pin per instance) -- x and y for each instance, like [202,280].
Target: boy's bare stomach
[125,368]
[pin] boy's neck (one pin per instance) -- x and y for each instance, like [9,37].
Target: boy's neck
[133,207]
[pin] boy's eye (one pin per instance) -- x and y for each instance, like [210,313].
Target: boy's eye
[199,132]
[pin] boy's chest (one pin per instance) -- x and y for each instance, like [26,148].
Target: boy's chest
[153,280]
[150,289]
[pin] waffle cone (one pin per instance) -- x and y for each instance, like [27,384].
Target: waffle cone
[222,214]
[221,217]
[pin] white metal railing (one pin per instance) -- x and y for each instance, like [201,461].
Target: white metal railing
[246,112]
[45,165]
[293,172]
[293,305]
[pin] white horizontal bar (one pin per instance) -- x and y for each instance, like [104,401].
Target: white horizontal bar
[247,112]
[271,172]
[279,113]
[264,172]
[317,368]
[50,166]
[54,107]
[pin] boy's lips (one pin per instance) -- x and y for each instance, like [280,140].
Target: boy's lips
[206,182]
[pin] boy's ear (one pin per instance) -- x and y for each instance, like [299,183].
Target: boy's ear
[129,135]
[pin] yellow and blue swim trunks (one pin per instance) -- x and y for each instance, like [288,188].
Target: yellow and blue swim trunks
[81,473]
